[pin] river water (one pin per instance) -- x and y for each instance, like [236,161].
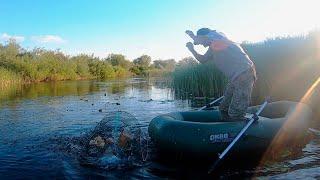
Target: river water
[38,122]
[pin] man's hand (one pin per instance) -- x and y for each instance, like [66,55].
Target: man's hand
[189,45]
[190,33]
[199,57]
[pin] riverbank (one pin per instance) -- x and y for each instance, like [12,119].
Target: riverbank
[8,78]
[18,65]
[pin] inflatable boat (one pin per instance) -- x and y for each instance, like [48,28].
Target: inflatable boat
[203,133]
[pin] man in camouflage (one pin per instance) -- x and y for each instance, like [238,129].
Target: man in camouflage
[230,59]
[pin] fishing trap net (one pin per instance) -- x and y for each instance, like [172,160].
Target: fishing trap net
[118,135]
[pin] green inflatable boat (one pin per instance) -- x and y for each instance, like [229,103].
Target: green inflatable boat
[203,134]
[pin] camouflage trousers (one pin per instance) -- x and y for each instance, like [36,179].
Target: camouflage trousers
[237,95]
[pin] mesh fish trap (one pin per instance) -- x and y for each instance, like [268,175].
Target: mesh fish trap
[118,134]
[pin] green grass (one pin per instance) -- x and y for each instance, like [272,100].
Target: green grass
[8,78]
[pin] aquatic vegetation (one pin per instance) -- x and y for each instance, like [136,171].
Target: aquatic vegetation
[287,67]
[198,80]
[8,77]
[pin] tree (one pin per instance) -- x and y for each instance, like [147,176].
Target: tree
[9,53]
[82,67]
[141,65]
[168,64]
[187,61]
[12,48]
[118,60]
[143,61]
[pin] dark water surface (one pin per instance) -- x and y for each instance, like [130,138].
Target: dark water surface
[38,122]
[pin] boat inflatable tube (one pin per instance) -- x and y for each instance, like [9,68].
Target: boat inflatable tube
[203,133]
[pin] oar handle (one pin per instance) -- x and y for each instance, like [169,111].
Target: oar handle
[210,104]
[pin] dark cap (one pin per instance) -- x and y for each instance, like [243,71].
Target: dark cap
[203,31]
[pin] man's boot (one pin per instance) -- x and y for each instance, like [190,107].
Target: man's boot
[224,116]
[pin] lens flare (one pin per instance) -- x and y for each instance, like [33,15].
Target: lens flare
[292,132]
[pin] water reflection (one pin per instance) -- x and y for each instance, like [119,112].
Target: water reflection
[120,87]
[36,90]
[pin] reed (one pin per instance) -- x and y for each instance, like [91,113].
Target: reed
[287,67]
[8,78]
[198,80]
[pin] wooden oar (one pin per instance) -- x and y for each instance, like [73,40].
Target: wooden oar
[210,104]
[252,119]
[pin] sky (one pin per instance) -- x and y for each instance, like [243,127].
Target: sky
[152,27]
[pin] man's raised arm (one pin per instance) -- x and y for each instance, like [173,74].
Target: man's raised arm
[201,58]
[191,34]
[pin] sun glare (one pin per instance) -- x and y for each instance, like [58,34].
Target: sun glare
[294,122]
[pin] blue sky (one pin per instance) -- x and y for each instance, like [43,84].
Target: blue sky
[153,27]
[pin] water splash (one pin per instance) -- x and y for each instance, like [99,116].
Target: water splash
[117,142]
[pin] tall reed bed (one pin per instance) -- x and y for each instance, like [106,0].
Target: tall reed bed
[287,67]
[198,80]
[8,78]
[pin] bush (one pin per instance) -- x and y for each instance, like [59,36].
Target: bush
[45,65]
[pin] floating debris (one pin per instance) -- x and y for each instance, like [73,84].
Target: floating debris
[149,100]
[166,101]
